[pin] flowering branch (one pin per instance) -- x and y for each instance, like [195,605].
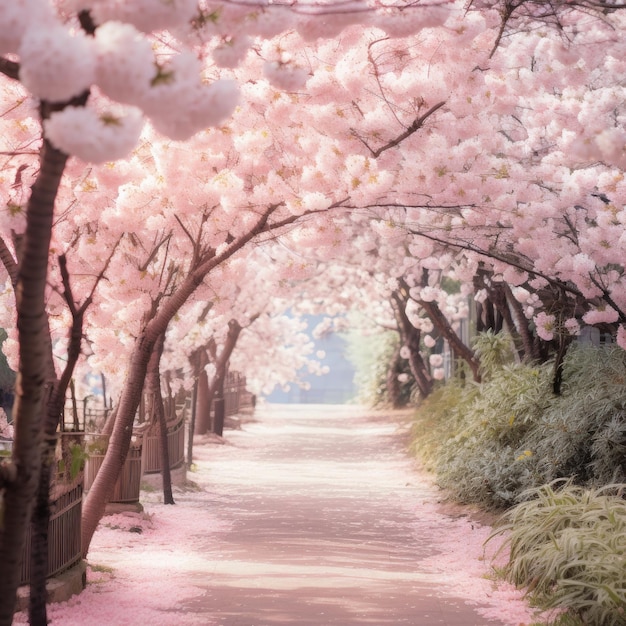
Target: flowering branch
[417,123]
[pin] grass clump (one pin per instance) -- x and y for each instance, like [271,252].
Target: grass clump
[568,548]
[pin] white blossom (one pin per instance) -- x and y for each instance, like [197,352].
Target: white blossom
[54,64]
[17,16]
[195,108]
[126,64]
[286,76]
[92,136]
[436,360]
[429,341]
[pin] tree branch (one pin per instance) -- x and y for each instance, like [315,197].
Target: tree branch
[9,262]
[417,123]
[9,68]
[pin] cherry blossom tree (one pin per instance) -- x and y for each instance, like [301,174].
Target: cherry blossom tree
[509,149]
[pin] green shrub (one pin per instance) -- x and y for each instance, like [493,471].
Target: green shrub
[582,432]
[480,451]
[568,547]
[490,442]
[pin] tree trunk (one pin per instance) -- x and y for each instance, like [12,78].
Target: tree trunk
[96,500]
[411,337]
[529,349]
[393,384]
[20,491]
[192,424]
[157,410]
[119,442]
[203,404]
[459,349]
[216,387]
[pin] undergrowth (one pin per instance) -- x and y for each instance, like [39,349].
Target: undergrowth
[490,442]
[555,464]
[568,548]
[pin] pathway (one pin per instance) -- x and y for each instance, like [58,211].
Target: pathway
[322,527]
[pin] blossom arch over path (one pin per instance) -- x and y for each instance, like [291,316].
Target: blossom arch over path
[311,119]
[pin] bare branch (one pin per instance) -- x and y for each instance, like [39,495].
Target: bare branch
[186,231]
[9,262]
[67,287]
[377,77]
[157,246]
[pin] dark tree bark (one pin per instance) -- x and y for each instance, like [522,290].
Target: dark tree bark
[192,424]
[157,411]
[441,323]
[393,384]
[411,338]
[20,478]
[216,386]
[203,403]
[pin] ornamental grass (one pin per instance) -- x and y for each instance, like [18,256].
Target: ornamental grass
[568,548]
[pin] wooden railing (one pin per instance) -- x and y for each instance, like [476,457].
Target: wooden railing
[175,447]
[128,484]
[64,549]
[85,419]
[236,396]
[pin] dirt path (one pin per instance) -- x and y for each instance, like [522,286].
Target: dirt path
[322,526]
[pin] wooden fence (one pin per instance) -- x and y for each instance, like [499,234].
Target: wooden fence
[64,549]
[84,419]
[236,396]
[175,447]
[128,484]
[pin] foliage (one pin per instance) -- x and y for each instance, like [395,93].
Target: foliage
[494,350]
[98,446]
[440,417]
[489,443]
[582,432]
[568,547]
[71,465]
[372,355]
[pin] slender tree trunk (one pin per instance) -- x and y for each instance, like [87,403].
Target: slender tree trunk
[459,349]
[216,387]
[21,489]
[119,442]
[529,350]
[393,384]
[41,515]
[153,388]
[192,424]
[99,495]
[40,522]
[411,338]
[203,404]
